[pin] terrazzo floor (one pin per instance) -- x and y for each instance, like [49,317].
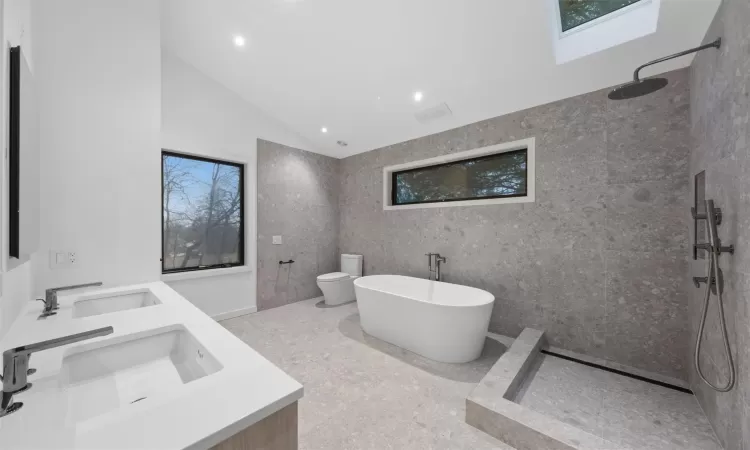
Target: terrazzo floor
[632,414]
[361,393]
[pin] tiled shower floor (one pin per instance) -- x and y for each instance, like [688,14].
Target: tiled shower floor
[633,414]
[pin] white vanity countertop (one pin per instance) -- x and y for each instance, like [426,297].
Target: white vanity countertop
[195,416]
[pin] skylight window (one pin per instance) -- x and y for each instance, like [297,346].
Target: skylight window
[584,27]
[574,13]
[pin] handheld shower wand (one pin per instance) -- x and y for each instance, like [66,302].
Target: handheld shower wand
[714,282]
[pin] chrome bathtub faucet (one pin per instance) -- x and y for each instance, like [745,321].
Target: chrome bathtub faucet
[16,365]
[438,260]
[50,297]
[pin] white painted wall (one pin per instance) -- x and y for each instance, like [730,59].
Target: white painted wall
[100,89]
[15,280]
[98,66]
[201,117]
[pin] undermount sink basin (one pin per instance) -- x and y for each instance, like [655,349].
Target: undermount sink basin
[96,304]
[103,379]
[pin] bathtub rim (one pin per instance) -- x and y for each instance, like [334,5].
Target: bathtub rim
[473,305]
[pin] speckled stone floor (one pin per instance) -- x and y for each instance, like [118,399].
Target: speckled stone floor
[630,413]
[361,393]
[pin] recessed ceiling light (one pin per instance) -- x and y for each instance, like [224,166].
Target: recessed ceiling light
[418,96]
[324,130]
[239,41]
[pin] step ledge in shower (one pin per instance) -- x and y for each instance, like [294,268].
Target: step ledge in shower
[490,406]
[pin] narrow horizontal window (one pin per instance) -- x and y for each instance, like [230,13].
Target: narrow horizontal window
[574,13]
[498,175]
[202,213]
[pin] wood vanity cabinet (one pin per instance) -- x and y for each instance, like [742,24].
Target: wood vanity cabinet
[276,432]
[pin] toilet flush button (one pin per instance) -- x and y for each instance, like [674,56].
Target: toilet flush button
[277,240]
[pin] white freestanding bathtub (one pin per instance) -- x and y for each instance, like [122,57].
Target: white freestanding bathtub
[441,321]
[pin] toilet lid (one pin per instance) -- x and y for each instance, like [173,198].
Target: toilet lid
[333,276]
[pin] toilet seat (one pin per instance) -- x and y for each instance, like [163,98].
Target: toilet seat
[335,276]
[337,287]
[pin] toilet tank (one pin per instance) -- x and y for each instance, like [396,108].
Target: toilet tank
[351,264]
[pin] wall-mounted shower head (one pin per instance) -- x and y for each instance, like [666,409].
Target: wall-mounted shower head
[638,87]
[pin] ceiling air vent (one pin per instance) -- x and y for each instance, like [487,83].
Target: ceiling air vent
[434,113]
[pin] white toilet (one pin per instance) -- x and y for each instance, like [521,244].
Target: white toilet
[338,287]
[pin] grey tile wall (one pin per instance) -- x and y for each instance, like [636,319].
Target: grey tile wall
[720,118]
[598,261]
[298,200]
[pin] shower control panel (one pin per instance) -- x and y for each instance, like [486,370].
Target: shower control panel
[712,216]
[699,231]
[714,281]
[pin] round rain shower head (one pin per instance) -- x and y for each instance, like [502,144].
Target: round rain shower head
[638,88]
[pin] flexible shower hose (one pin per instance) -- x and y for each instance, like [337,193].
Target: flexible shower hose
[713,274]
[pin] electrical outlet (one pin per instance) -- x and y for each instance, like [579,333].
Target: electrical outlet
[277,240]
[59,259]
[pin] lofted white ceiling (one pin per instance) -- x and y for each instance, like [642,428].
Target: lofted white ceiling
[353,66]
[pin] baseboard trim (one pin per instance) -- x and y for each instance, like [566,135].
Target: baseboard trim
[235,313]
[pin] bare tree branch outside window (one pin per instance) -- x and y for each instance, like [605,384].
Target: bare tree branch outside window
[202,217]
[493,176]
[574,13]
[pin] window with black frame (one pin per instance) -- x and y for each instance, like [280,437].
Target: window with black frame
[202,213]
[493,176]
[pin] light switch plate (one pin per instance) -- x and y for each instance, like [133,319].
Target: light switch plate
[277,240]
[60,258]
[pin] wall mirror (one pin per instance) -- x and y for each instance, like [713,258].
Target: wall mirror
[23,161]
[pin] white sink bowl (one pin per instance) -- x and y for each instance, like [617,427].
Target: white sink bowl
[102,379]
[96,304]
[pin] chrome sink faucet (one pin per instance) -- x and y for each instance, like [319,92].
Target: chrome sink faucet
[438,260]
[50,297]
[16,365]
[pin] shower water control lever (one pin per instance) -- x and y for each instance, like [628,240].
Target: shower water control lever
[712,224]
[713,215]
[703,216]
[698,280]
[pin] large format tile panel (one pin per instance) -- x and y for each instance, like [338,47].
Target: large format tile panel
[298,200]
[720,118]
[612,178]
